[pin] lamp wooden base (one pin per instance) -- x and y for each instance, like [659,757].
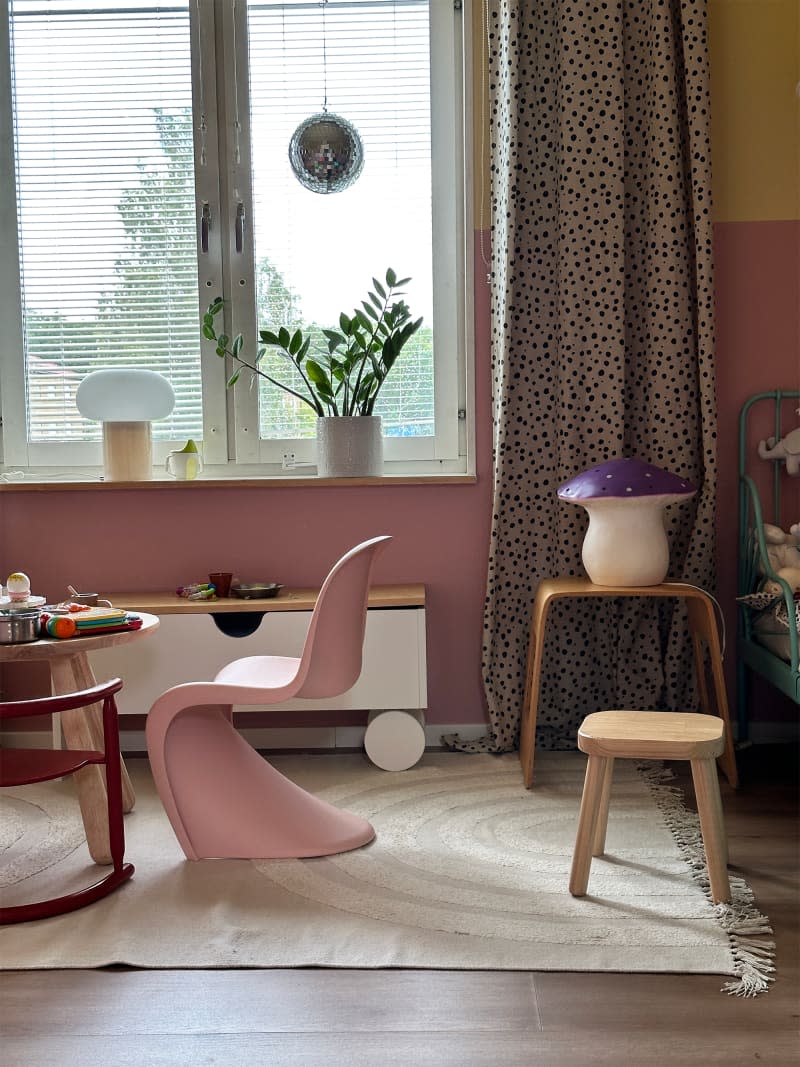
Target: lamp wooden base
[127,451]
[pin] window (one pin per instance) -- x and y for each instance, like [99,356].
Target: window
[148,157]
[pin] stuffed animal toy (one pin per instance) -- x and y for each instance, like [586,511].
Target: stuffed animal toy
[782,547]
[784,557]
[791,575]
[787,449]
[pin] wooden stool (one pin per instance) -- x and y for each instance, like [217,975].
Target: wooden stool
[669,735]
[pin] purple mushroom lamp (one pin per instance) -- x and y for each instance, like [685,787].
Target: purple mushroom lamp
[626,542]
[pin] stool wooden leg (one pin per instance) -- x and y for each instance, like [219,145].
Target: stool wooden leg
[599,839]
[703,625]
[591,801]
[712,825]
[714,807]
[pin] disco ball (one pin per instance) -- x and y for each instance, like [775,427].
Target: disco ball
[326,153]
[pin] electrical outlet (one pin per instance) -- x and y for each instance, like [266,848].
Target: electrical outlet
[288,461]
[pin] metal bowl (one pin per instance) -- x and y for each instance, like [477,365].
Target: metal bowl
[17,627]
[255,590]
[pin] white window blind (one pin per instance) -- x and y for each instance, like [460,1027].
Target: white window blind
[316,254]
[105,195]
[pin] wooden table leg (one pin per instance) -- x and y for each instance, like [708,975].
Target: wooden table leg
[530,703]
[83,728]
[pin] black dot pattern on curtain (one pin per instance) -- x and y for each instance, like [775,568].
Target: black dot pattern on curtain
[602,337]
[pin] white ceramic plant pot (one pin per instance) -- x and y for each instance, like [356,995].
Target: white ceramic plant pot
[350,446]
[626,543]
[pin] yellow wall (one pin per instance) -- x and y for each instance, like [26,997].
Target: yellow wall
[755,110]
[755,68]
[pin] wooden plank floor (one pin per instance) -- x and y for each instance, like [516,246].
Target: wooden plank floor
[307,1017]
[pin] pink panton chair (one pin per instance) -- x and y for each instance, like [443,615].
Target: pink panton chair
[223,799]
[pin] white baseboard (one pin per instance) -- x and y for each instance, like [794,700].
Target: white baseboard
[277,739]
[352,737]
[274,739]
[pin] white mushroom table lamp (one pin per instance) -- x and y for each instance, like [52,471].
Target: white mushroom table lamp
[126,400]
[626,542]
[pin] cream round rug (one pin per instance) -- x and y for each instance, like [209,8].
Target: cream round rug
[468,870]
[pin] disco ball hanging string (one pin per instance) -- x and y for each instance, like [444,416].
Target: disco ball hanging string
[325,151]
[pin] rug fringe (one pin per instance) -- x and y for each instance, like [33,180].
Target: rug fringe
[749,932]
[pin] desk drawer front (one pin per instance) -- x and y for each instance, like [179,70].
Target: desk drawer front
[189,648]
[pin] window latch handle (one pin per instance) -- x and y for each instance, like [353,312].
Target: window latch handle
[205,226]
[240,227]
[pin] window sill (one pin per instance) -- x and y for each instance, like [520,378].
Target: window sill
[57,481]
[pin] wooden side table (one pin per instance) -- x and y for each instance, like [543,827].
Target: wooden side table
[71,671]
[704,633]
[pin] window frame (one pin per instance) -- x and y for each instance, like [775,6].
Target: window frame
[231,444]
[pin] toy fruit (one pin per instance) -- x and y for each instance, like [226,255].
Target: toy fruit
[61,626]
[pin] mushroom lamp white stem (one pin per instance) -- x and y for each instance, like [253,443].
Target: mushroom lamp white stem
[126,400]
[626,542]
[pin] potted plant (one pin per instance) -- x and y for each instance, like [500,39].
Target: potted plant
[340,380]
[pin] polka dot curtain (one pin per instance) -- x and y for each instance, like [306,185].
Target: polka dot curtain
[602,336]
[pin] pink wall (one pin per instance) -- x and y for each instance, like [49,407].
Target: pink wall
[758,349]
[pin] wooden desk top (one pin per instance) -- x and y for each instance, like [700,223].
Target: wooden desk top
[380,596]
[48,647]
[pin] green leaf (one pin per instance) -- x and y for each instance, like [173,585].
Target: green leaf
[234,378]
[237,344]
[366,386]
[208,320]
[370,310]
[345,324]
[284,337]
[221,352]
[224,340]
[268,337]
[334,339]
[379,288]
[317,375]
[208,331]
[363,321]
[296,343]
[391,278]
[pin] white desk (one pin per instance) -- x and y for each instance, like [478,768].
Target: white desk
[191,646]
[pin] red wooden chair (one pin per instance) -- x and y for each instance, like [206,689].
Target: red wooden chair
[24,766]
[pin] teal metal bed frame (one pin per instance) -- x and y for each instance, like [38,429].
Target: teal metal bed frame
[754,566]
